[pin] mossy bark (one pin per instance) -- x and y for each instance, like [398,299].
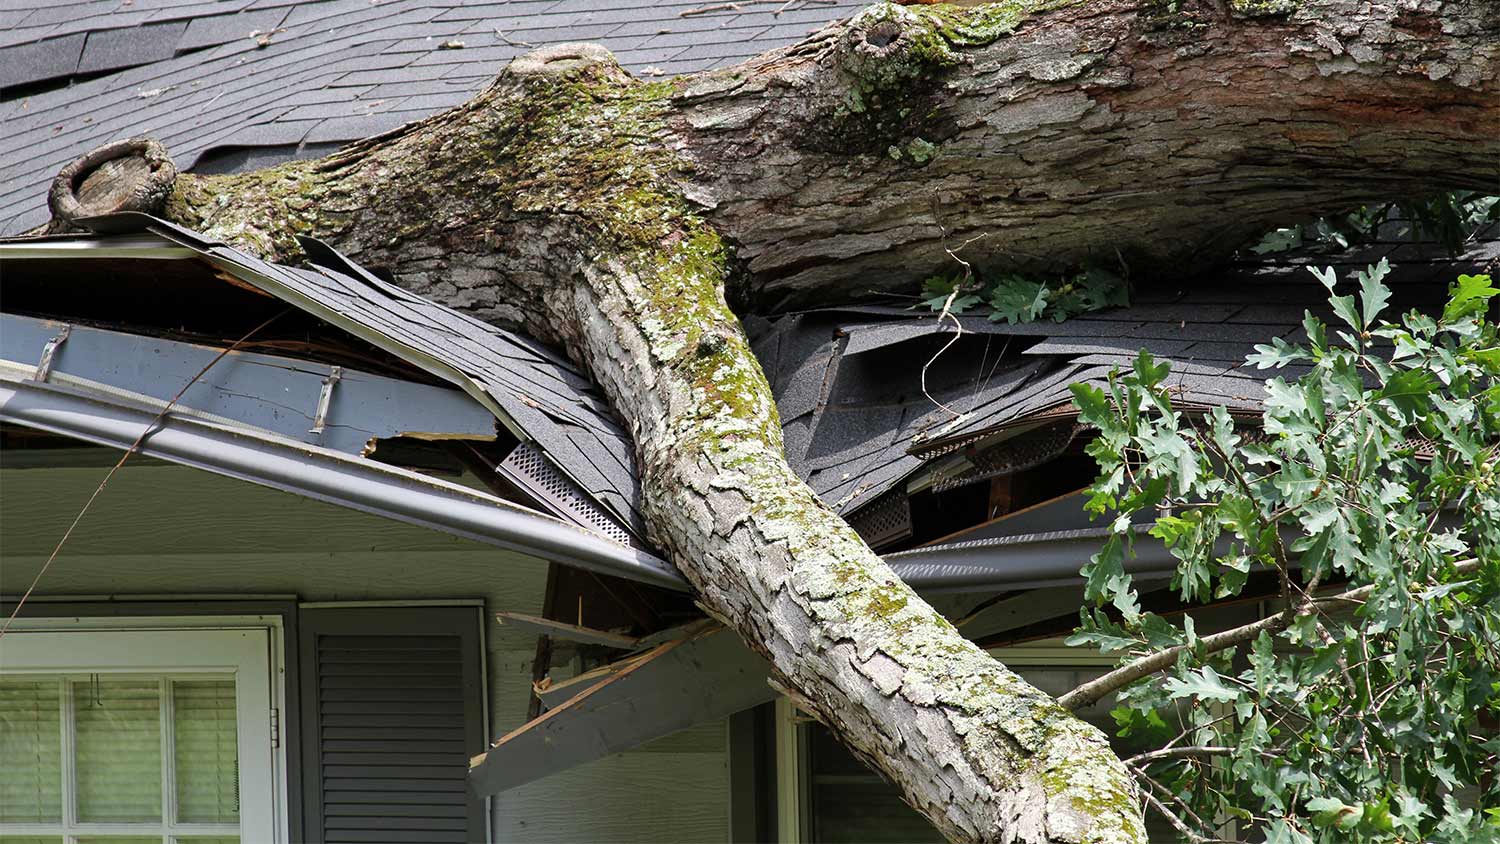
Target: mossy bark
[613,216]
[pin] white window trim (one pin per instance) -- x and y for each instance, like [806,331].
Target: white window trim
[253,646]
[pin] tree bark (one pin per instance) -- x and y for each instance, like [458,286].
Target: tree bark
[612,216]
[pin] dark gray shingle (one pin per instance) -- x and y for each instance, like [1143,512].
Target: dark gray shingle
[213,30]
[839,397]
[108,49]
[40,60]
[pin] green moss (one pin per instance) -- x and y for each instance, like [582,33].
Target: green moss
[977,26]
[884,602]
[1262,8]
[921,151]
[1096,798]
[262,209]
[894,95]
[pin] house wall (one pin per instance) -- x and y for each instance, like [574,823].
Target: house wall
[163,530]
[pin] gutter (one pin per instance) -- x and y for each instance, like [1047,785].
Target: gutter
[1025,561]
[1052,558]
[325,475]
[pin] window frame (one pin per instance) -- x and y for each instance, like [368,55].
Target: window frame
[175,647]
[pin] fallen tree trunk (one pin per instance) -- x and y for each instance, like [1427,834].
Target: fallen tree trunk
[611,216]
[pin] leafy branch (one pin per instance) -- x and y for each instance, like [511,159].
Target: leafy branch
[1365,715]
[1448,218]
[1018,299]
[1207,685]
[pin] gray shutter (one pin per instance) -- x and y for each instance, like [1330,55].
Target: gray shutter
[392,711]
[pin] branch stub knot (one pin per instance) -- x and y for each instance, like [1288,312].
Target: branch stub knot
[135,174]
[563,60]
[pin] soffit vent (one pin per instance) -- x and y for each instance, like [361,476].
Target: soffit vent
[886,520]
[529,469]
[1014,455]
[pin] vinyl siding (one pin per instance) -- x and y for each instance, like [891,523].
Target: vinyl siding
[163,530]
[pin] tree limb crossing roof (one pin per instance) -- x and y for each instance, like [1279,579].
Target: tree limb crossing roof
[236,84]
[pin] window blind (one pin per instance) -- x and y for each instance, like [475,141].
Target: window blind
[206,747]
[117,748]
[30,750]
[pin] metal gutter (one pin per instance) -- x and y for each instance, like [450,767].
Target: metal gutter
[144,245]
[280,395]
[1053,558]
[1027,561]
[325,475]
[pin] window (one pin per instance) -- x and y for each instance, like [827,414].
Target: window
[134,736]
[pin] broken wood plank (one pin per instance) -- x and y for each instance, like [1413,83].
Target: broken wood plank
[563,630]
[704,676]
[553,694]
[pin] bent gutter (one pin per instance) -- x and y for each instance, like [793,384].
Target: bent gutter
[1053,558]
[1026,561]
[327,476]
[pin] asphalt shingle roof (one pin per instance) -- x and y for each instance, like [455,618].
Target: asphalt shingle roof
[221,82]
[236,84]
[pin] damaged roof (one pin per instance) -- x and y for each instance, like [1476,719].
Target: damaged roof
[849,381]
[237,84]
[537,394]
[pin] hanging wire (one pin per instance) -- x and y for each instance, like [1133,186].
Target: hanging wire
[149,429]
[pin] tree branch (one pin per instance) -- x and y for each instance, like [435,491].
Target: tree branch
[1123,676]
[1177,753]
[1172,817]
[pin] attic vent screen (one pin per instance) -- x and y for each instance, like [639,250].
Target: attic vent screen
[529,469]
[886,520]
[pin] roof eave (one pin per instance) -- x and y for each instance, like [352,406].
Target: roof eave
[325,475]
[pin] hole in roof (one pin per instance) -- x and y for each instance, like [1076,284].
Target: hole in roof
[382,273]
[181,300]
[239,159]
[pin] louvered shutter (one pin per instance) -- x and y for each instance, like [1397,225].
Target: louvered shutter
[392,711]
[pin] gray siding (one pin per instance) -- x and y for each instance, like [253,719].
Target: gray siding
[165,530]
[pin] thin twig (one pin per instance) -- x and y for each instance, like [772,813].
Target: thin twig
[149,429]
[703,10]
[499,33]
[1177,753]
[1171,816]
